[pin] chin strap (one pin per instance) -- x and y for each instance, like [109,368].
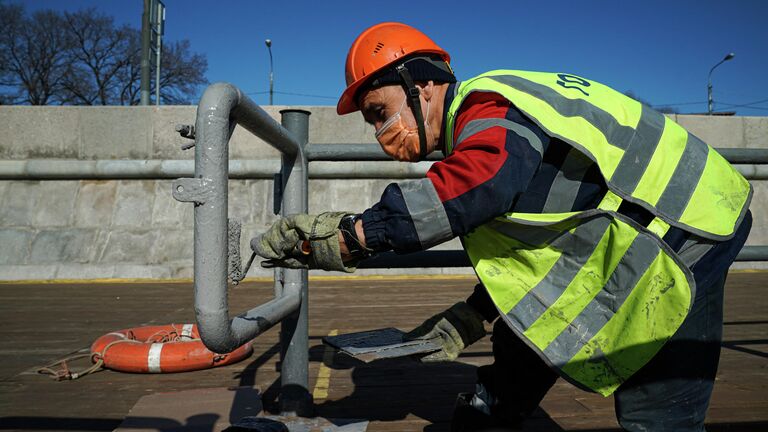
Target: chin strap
[413,94]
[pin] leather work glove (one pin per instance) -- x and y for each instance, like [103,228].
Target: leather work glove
[281,243]
[457,328]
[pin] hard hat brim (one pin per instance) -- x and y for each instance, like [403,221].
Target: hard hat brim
[426,64]
[347,103]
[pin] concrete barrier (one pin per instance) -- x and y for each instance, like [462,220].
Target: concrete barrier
[85,229]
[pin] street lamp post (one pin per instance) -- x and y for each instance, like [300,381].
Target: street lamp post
[709,82]
[268,42]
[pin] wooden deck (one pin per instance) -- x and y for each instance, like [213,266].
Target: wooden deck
[44,322]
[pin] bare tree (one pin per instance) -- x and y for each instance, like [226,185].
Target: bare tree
[34,55]
[81,58]
[130,75]
[181,72]
[98,55]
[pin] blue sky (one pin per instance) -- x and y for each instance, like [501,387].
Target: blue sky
[660,50]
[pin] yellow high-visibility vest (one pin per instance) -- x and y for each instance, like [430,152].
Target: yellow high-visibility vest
[595,293]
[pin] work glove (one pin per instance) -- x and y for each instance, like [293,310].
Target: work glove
[454,329]
[281,244]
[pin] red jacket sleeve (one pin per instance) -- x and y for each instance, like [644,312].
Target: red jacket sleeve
[497,152]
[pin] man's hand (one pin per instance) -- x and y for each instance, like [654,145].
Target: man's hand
[457,328]
[281,244]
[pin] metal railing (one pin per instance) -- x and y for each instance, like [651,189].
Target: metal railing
[221,108]
[360,161]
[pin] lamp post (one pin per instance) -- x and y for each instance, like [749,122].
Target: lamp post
[268,42]
[709,82]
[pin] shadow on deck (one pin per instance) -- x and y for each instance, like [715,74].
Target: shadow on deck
[45,322]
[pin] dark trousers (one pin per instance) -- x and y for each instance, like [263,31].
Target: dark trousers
[670,393]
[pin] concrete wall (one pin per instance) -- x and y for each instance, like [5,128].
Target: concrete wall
[135,229]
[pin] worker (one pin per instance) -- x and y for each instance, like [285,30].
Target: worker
[601,231]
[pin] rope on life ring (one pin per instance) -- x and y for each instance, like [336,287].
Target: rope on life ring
[151,349]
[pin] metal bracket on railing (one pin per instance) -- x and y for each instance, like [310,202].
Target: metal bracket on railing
[195,190]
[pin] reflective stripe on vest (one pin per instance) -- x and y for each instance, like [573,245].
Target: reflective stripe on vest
[594,293]
[644,156]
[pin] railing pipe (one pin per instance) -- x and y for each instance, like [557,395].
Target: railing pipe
[373,152]
[154,169]
[458,258]
[295,398]
[744,155]
[53,169]
[353,152]
[753,253]
[220,109]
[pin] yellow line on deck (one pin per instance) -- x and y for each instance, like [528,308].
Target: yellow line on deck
[323,382]
[92,281]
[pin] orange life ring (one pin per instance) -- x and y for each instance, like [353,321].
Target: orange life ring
[160,349]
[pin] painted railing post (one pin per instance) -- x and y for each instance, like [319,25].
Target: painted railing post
[295,398]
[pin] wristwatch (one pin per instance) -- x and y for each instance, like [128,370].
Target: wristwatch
[347,228]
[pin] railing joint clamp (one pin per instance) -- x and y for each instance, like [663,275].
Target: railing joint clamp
[195,190]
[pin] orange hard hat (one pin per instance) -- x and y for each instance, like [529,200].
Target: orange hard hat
[378,48]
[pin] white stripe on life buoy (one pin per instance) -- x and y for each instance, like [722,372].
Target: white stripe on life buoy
[186,331]
[120,335]
[153,358]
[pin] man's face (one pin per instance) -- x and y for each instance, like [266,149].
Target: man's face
[379,104]
[398,136]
